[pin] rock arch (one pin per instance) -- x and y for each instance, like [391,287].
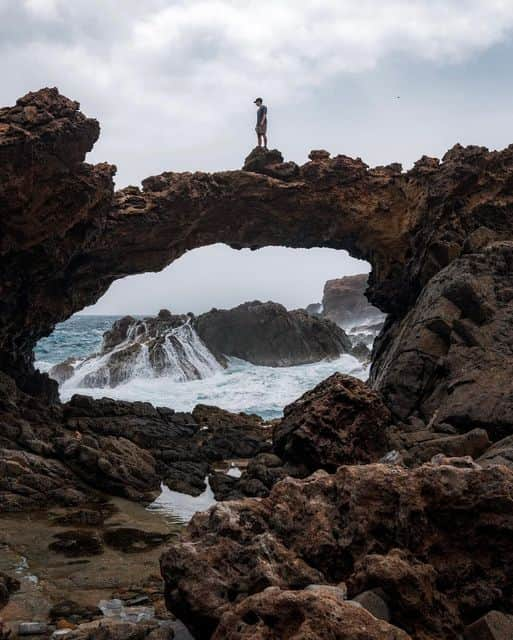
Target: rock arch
[66,235]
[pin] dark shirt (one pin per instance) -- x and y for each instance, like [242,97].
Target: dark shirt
[262,111]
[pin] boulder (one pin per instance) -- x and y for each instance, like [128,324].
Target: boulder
[267,334]
[302,615]
[449,357]
[371,526]
[344,301]
[473,444]
[341,421]
[493,626]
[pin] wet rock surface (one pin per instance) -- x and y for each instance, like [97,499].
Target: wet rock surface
[64,454]
[265,333]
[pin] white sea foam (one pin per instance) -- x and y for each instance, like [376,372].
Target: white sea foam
[240,387]
[182,505]
[185,357]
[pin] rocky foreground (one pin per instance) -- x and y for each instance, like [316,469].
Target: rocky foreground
[368,511]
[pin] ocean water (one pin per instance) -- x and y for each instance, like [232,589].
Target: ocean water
[240,387]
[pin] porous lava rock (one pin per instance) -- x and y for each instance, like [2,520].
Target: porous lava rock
[340,421]
[371,526]
[302,615]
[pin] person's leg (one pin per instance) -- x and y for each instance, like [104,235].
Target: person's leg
[265,141]
[259,137]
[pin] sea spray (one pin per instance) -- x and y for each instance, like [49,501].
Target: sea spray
[239,387]
[178,353]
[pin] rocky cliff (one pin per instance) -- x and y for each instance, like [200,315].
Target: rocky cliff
[439,239]
[344,301]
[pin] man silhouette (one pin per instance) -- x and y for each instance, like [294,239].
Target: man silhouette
[261,124]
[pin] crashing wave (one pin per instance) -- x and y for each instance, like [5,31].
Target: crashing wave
[163,346]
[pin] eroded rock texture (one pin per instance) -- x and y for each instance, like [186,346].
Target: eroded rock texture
[63,454]
[66,236]
[54,206]
[435,539]
[302,615]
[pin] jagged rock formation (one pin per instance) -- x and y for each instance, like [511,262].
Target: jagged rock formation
[166,344]
[340,421]
[313,614]
[410,226]
[344,301]
[61,454]
[53,208]
[439,239]
[268,334]
[450,358]
[416,534]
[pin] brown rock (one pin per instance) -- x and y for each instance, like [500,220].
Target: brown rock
[341,421]
[371,526]
[493,626]
[267,334]
[302,615]
[450,355]
[473,444]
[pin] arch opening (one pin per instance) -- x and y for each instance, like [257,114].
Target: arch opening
[193,355]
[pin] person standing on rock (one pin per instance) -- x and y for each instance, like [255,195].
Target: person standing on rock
[261,124]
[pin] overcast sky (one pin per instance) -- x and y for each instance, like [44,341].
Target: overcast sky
[172,84]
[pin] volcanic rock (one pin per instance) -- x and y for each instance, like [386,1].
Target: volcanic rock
[302,615]
[450,357]
[270,163]
[268,334]
[341,421]
[371,526]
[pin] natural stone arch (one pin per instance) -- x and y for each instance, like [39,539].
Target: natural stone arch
[66,236]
